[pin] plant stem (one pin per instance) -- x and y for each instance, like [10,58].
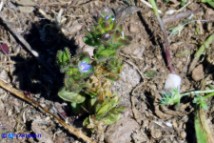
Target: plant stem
[200,92]
[165,37]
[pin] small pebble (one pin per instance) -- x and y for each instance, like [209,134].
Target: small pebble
[156,133]
[121,131]
[175,124]
[183,134]
[4,75]
[198,73]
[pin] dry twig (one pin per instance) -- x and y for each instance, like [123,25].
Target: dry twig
[77,132]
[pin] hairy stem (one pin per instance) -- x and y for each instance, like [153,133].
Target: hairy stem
[166,44]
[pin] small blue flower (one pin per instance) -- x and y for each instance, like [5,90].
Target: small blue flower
[84,67]
[11,135]
[4,135]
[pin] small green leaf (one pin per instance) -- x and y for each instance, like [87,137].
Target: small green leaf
[201,102]
[92,101]
[106,106]
[92,39]
[71,71]
[150,73]
[112,116]
[63,57]
[105,53]
[86,121]
[71,96]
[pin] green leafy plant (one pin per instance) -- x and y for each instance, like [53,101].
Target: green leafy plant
[88,80]
[107,36]
[174,96]
[171,97]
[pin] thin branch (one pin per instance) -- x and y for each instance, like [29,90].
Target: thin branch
[77,132]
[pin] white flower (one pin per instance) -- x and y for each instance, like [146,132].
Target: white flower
[171,93]
[173,81]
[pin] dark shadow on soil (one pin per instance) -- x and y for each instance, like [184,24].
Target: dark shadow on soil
[147,28]
[35,78]
[190,130]
[209,68]
[149,101]
[46,38]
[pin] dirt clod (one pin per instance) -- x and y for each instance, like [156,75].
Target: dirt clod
[198,73]
[121,131]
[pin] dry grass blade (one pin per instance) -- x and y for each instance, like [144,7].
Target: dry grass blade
[77,132]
